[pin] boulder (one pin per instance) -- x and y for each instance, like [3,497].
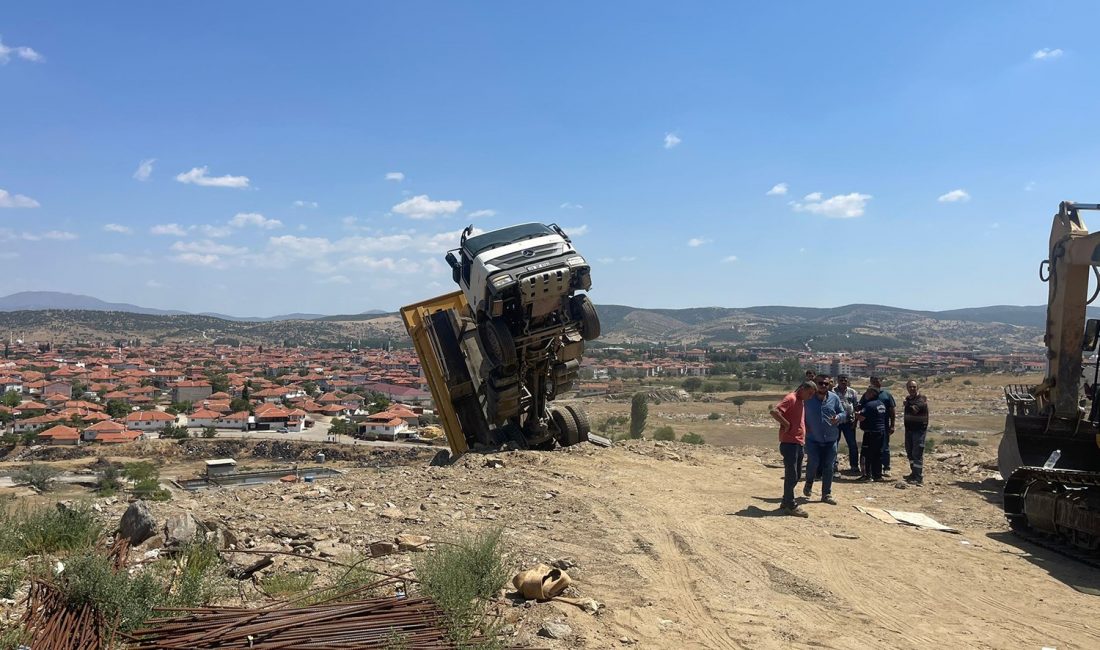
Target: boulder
[555,631]
[180,529]
[137,524]
[379,549]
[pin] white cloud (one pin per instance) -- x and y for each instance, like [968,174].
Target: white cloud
[672,140]
[200,259]
[153,284]
[994,225]
[629,258]
[696,242]
[478,214]
[395,176]
[21,51]
[779,189]
[215,232]
[114,227]
[576,231]
[59,235]
[571,206]
[8,200]
[1047,54]
[335,279]
[841,206]
[242,219]
[954,196]
[121,259]
[197,176]
[208,247]
[729,259]
[145,169]
[172,229]
[422,207]
[1029,186]
[305,204]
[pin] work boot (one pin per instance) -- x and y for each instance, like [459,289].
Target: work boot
[795,511]
[828,498]
[807,491]
[866,478]
[914,480]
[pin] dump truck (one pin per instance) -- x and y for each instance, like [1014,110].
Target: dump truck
[498,351]
[1050,451]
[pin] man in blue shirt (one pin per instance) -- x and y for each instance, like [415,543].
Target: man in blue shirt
[824,412]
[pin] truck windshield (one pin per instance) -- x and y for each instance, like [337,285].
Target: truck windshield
[476,245]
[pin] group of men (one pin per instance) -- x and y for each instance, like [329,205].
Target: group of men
[813,418]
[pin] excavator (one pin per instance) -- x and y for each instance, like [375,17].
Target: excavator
[1050,452]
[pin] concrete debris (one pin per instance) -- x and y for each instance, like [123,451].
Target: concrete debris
[180,529]
[555,631]
[406,542]
[381,549]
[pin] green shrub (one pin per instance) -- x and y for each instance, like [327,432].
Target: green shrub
[39,476]
[715,416]
[108,483]
[968,442]
[692,438]
[120,598]
[200,578]
[151,490]
[287,584]
[929,445]
[967,382]
[10,579]
[140,471]
[664,433]
[463,579]
[35,531]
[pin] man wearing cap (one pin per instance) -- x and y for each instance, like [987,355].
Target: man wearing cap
[891,408]
[792,435]
[823,413]
[872,419]
[916,430]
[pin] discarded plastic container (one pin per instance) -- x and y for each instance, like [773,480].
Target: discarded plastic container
[308,478]
[1053,460]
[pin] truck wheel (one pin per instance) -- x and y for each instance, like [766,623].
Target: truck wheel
[585,313]
[581,418]
[497,341]
[566,426]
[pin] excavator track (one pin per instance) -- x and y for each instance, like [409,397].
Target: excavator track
[1046,486]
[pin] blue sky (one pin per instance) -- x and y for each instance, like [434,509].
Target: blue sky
[806,153]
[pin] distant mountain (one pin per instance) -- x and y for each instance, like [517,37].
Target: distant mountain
[26,300]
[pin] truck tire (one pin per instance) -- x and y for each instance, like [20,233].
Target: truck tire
[581,418]
[497,342]
[584,312]
[566,426]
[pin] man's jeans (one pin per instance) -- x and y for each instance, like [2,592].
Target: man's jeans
[792,469]
[821,455]
[914,450]
[849,433]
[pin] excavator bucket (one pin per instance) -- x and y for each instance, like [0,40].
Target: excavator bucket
[1008,451]
[1029,440]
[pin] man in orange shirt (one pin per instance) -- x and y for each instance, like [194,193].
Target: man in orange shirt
[792,436]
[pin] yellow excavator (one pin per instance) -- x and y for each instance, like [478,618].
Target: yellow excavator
[1050,452]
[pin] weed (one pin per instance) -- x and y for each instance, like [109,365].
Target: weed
[39,476]
[969,442]
[200,579]
[151,490]
[120,598]
[33,531]
[14,638]
[462,578]
[718,416]
[929,445]
[287,584]
[10,579]
[692,438]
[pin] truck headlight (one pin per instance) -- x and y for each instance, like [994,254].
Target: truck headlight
[576,260]
[502,281]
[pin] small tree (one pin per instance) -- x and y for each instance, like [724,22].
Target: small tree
[240,404]
[116,408]
[692,384]
[209,432]
[738,401]
[664,433]
[11,399]
[108,482]
[639,411]
[174,432]
[341,427]
[39,476]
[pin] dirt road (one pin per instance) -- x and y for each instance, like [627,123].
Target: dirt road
[684,549]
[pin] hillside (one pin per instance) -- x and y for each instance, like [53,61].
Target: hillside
[851,327]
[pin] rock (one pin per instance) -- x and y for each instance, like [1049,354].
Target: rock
[947,455]
[625,640]
[392,513]
[219,535]
[180,529]
[494,463]
[406,542]
[555,631]
[137,523]
[458,514]
[379,549]
[564,564]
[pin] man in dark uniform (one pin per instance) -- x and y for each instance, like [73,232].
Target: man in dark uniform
[891,411]
[872,419]
[916,430]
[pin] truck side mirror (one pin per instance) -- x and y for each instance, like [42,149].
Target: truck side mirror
[452,260]
[1092,333]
